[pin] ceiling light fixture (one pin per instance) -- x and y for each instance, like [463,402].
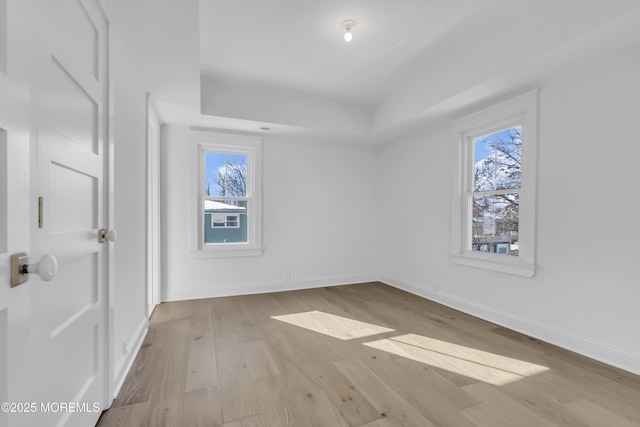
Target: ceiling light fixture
[347,25]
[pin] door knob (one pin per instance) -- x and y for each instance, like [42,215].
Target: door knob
[110,235]
[46,268]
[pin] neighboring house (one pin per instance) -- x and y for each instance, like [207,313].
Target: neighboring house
[502,243]
[224,223]
[495,235]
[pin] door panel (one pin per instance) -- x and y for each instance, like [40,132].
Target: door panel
[72,199]
[80,39]
[80,295]
[70,107]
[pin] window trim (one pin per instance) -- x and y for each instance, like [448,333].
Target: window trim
[521,110]
[250,145]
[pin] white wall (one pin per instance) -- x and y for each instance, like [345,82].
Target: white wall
[128,302]
[585,294]
[283,106]
[319,221]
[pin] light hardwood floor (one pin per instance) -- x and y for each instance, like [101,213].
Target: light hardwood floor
[360,355]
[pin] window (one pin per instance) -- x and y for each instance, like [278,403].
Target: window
[224,221]
[495,191]
[494,195]
[228,195]
[232,221]
[218,221]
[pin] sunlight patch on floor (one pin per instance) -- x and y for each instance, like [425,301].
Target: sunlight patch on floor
[480,365]
[332,325]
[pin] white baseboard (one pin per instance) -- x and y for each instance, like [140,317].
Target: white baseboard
[586,346]
[126,361]
[265,287]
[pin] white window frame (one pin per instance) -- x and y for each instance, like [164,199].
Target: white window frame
[519,110]
[251,146]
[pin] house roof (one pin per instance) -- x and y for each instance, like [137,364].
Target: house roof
[213,205]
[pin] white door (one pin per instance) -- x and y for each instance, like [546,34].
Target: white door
[68,313]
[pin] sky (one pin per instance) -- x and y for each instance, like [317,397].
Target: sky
[215,162]
[483,144]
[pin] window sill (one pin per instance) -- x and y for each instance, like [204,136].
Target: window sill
[226,252]
[490,263]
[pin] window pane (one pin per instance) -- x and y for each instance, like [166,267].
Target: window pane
[237,175]
[215,173]
[232,221]
[497,160]
[225,221]
[225,174]
[494,224]
[217,220]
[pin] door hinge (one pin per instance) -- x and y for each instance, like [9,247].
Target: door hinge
[40,212]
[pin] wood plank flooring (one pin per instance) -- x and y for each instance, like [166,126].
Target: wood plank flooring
[361,355]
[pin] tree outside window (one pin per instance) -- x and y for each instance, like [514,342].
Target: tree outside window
[495,199]
[226,202]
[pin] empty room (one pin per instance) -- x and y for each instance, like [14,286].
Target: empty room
[357,213]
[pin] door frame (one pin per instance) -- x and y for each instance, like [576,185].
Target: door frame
[109,210]
[153,235]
